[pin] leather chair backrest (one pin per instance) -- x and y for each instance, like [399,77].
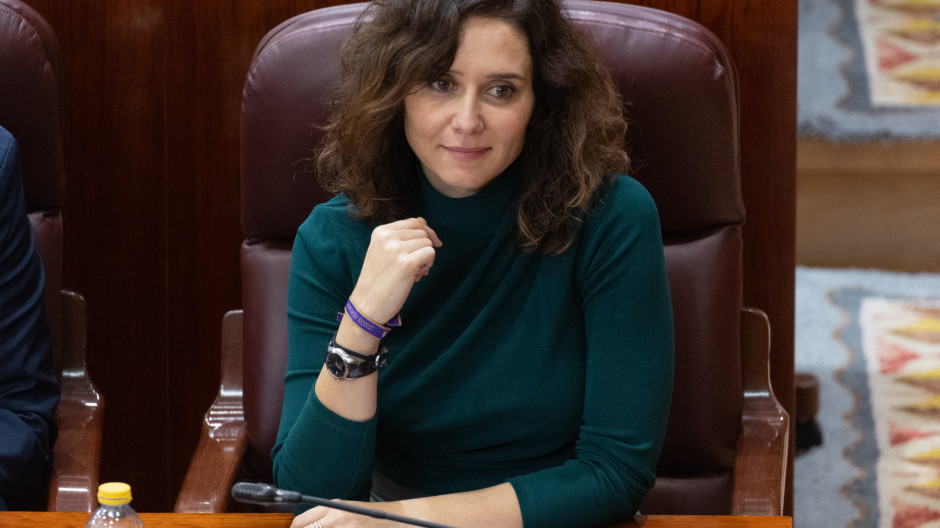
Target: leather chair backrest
[680,90]
[30,83]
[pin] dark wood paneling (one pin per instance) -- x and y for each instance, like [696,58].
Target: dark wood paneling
[152,94]
[115,219]
[765,50]
[768,60]
[152,98]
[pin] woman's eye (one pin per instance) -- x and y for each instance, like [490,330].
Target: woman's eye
[441,85]
[502,92]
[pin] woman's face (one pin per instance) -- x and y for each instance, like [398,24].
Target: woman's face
[469,125]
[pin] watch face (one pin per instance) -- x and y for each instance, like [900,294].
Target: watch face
[342,366]
[336,365]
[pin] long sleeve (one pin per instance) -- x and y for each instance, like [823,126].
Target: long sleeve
[630,349]
[28,389]
[316,451]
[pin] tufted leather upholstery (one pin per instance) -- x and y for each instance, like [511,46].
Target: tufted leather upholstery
[30,108]
[680,90]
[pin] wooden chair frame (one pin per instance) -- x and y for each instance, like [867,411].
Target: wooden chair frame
[79,416]
[760,463]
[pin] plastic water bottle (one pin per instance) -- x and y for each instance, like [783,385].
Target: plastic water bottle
[114,508]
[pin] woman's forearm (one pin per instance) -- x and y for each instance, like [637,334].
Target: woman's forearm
[353,399]
[494,506]
[399,255]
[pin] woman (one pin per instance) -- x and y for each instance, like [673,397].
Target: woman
[475,146]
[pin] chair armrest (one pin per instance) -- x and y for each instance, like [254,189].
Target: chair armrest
[761,460]
[222,442]
[77,450]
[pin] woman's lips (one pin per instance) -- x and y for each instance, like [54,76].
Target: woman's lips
[467,153]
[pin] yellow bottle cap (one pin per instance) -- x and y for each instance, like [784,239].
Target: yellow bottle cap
[114,493]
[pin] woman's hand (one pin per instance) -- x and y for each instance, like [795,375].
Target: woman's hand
[333,518]
[399,255]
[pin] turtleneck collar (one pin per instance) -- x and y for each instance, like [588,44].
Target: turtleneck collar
[482,211]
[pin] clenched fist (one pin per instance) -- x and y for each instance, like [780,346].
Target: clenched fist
[399,255]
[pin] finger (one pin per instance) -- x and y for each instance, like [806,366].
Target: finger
[424,272]
[412,245]
[412,224]
[421,258]
[422,224]
[309,517]
[391,240]
[417,264]
[431,234]
[408,223]
[404,234]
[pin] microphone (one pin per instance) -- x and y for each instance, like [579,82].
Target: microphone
[265,494]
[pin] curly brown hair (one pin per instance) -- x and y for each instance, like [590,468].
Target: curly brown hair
[574,139]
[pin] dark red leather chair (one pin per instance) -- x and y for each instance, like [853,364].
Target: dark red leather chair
[726,445]
[30,108]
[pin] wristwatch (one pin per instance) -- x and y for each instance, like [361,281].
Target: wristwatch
[343,363]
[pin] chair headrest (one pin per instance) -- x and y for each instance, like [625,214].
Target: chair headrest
[676,79]
[30,83]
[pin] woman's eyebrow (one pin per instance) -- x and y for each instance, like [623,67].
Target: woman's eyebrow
[505,75]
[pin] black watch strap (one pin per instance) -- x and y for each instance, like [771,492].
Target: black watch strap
[343,363]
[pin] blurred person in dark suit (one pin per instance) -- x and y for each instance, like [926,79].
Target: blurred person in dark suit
[29,392]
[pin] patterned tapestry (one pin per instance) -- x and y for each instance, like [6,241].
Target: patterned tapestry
[901,40]
[901,344]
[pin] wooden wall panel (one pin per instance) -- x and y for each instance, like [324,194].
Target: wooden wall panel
[152,92]
[116,223]
[152,100]
[201,175]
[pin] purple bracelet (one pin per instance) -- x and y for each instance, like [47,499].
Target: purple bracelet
[374,329]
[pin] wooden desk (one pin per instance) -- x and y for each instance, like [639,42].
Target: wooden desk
[282,520]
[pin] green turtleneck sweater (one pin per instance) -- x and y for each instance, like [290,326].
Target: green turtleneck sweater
[553,373]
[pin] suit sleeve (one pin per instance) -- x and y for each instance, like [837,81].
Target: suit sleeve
[29,392]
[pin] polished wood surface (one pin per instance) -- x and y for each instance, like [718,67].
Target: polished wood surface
[760,466]
[283,520]
[223,440]
[152,94]
[868,205]
[77,451]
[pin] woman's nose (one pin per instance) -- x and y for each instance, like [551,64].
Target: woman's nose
[467,116]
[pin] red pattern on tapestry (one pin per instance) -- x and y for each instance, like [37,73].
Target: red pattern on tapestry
[904,380]
[891,56]
[892,357]
[900,435]
[910,516]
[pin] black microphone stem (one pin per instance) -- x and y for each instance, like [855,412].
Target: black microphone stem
[261,493]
